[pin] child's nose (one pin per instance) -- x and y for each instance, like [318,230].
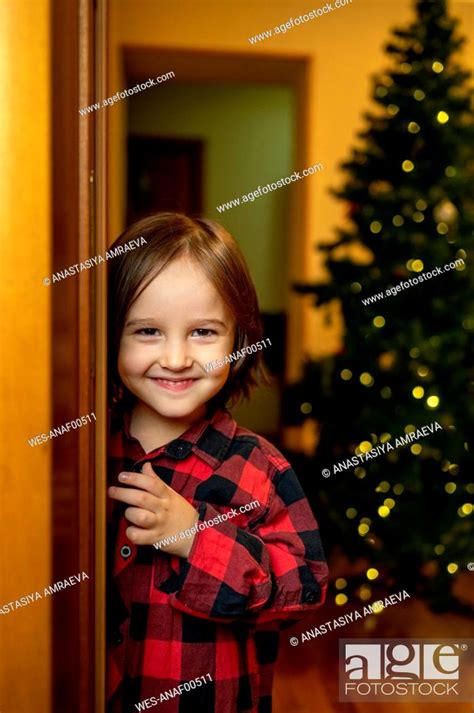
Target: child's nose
[175,355]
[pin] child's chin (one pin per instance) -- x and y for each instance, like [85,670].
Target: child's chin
[177,410]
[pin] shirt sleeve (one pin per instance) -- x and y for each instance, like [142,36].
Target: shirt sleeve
[273,569]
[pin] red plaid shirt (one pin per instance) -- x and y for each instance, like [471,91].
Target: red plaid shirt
[172,619]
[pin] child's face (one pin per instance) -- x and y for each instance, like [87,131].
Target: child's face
[178,324]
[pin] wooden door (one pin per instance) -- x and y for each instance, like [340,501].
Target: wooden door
[78,352]
[163,174]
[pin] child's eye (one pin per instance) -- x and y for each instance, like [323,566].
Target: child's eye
[147,331]
[204,332]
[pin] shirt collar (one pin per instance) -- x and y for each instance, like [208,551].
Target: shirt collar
[209,439]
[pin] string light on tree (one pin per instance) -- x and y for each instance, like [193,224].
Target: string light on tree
[445,211]
[408,192]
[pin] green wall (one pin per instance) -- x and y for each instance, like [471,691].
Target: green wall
[259,118]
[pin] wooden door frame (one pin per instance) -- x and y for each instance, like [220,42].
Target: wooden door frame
[100,222]
[78,30]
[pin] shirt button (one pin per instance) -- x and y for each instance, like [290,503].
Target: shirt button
[125,551]
[310,596]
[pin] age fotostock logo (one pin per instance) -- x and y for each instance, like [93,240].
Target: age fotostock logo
[406,670]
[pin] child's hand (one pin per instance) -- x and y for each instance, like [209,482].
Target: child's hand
[157,511]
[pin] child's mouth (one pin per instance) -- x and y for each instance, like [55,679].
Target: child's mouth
[175,384]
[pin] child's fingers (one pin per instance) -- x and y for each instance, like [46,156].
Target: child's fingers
[140,517]
[139,536]
[147,481]
[139,498]
[160,486]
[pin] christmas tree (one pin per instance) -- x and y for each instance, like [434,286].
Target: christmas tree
[401,503]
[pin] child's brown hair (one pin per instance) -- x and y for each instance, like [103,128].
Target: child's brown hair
[169,235]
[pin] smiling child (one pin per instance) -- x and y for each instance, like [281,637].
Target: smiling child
[193,622]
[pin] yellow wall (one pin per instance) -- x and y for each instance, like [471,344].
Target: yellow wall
[343,48]
[25,483]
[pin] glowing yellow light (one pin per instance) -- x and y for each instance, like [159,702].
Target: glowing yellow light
[356,287]
[450,171]
[398,489]
[381,92]
[340,599]
[409,428]
[461,254]
[470,488]
[437,67]
[366,520]
[372,573]
[418,392]
[340,583]
[442,117]
[360,472]
[405,67]
[366,379]
[382,487]
[346,374]
[393,109]
[378,321]
[461,513]
[408,166]
[450,488]
[432,401]
[418,217]
[453,468]
[419,95]
[306,407]
[397,220]
[409,263]
[365,592]
[375,226]
[386,392]
[417,265]
[351,513]
[442,228]
[460,267]
[413,127]
[439,549]
[416,449]
[467,508]
[385,437]
[365,446]
[377,607]
[389,502]
[369,623]
[363,529]
[414,352]
[452,567]
[421,204]
[383,511]
[422,371]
